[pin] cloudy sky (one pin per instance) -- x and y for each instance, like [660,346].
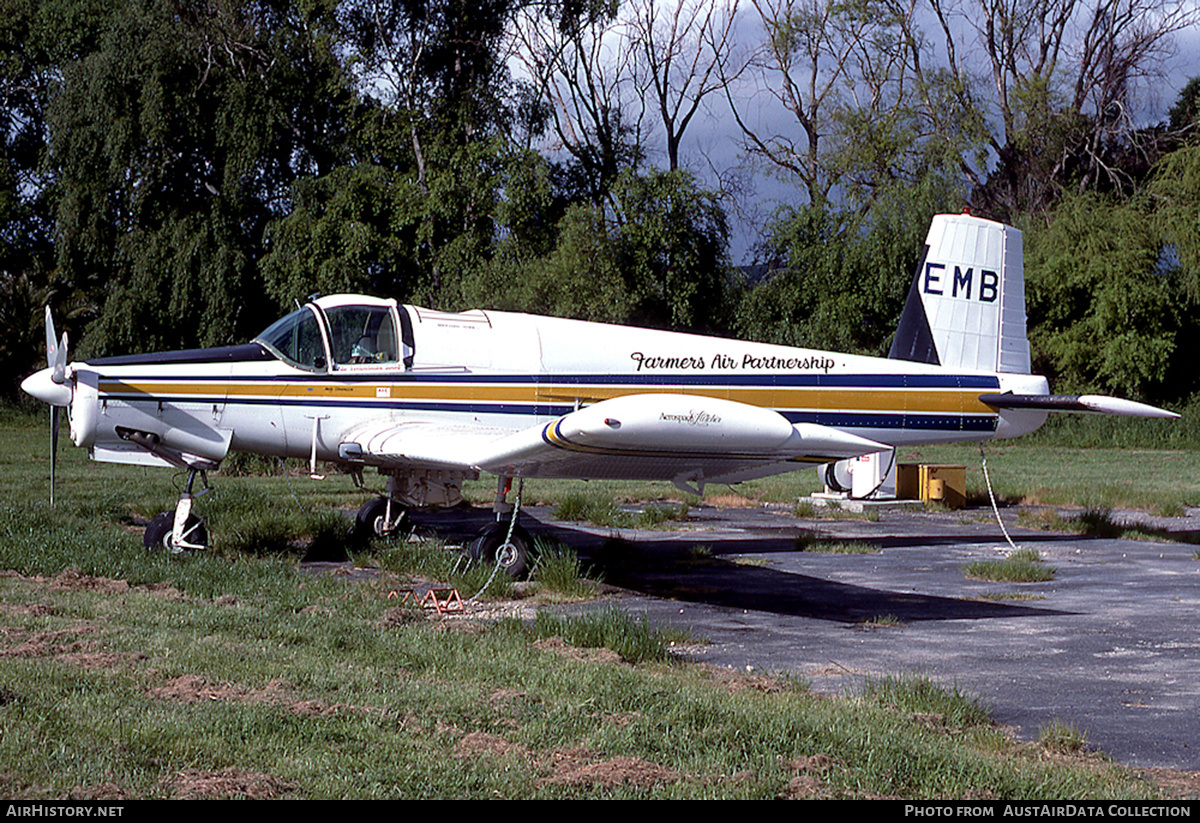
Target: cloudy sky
[712,147]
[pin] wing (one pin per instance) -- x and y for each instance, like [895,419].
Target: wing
[413,444]
[681,438]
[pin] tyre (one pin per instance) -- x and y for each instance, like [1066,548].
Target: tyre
[371,520]
[159,532]
[491,548]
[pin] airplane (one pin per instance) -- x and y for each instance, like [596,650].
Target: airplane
[430,399]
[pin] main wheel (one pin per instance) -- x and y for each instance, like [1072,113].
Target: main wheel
[159,532]
[371,520]
[492,547]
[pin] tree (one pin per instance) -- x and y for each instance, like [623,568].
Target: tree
[36,37]
[837,279]
[581,64]
[1104,302]
[434,66]
[176,137]
[432,81]
[1184,117]
[1053,82]
[352,230]
[673,240]
[685,55]
[1175,194]
[581,277]
[843,73]
[1024,99]
[658,259]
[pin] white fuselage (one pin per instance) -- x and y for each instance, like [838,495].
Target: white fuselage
[504,373]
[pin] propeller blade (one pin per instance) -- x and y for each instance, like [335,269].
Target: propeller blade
[56,351]
[51,338]
[53,447]
[56,359]
[59,375]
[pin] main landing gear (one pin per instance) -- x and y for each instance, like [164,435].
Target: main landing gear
[179,531]
[503,544]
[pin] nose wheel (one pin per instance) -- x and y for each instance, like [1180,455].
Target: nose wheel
[160,534]
[179,531]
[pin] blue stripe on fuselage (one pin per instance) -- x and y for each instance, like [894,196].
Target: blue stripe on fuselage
[913,421]
[730,381]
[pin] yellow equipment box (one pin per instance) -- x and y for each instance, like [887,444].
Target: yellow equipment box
[908,481]
[943,484]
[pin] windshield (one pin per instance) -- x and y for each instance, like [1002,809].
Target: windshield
[297,339]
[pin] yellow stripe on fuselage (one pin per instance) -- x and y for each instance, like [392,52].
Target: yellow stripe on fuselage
[952,401]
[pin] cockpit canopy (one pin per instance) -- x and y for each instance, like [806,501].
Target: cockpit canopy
[345,331]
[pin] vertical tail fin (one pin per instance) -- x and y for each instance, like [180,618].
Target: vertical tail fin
[966,308]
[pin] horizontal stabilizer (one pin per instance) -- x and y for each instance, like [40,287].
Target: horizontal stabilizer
[1091,403]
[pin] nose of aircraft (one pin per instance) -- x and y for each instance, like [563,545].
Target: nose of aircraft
[41,385]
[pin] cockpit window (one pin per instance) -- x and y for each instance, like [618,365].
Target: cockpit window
[297,339]
[362,334]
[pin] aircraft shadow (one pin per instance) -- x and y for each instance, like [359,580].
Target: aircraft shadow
[769,545]
[668,568]
[665,569]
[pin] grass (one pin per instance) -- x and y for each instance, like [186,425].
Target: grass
[836,512]
[814,542]
[1091,431]
[883,621]
[433,559]
[604,511]
[1094,522]
[1022,566]
[918,694]
[316,688]
[559,572]
[1100,522]
[1062,738]
[633,639]
[804,509]
[236,673]
[1102,477]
